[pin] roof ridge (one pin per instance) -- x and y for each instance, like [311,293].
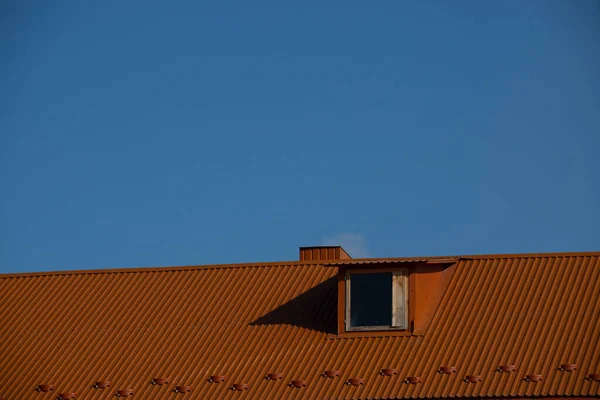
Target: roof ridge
[532,255]
[290,263]
[155,269]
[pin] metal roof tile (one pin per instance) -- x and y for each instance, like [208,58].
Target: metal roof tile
[188,323]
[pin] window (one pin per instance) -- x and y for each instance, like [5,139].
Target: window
[376,300]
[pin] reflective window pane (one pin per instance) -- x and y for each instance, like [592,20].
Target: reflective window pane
[371,299]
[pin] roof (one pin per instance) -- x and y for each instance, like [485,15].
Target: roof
[71,329]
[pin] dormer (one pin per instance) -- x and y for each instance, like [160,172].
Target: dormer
[389,297]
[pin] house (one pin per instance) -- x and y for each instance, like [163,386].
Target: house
[324,327]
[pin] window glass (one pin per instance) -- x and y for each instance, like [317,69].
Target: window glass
[371,299]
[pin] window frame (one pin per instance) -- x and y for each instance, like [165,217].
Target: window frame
[400,301]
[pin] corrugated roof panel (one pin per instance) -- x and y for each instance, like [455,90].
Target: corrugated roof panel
[72,329]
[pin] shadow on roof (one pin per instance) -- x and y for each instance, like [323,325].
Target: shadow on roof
[314,309]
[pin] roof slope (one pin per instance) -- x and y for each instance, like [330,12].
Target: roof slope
[73,329]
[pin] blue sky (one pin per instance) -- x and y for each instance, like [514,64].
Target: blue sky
[173,133]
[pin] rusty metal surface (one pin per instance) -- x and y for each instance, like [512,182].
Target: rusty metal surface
[72,330]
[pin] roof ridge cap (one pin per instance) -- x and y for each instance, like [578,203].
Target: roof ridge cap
[156,269]
[531,255]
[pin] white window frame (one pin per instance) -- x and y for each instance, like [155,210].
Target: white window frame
[399,301]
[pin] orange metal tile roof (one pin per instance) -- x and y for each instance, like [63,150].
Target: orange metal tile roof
[71,329]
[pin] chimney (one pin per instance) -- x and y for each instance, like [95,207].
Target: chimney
[323,253]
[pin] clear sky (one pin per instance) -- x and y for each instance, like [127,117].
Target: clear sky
[142,133]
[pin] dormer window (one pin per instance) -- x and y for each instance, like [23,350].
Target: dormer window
[388,297]
[376,301]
